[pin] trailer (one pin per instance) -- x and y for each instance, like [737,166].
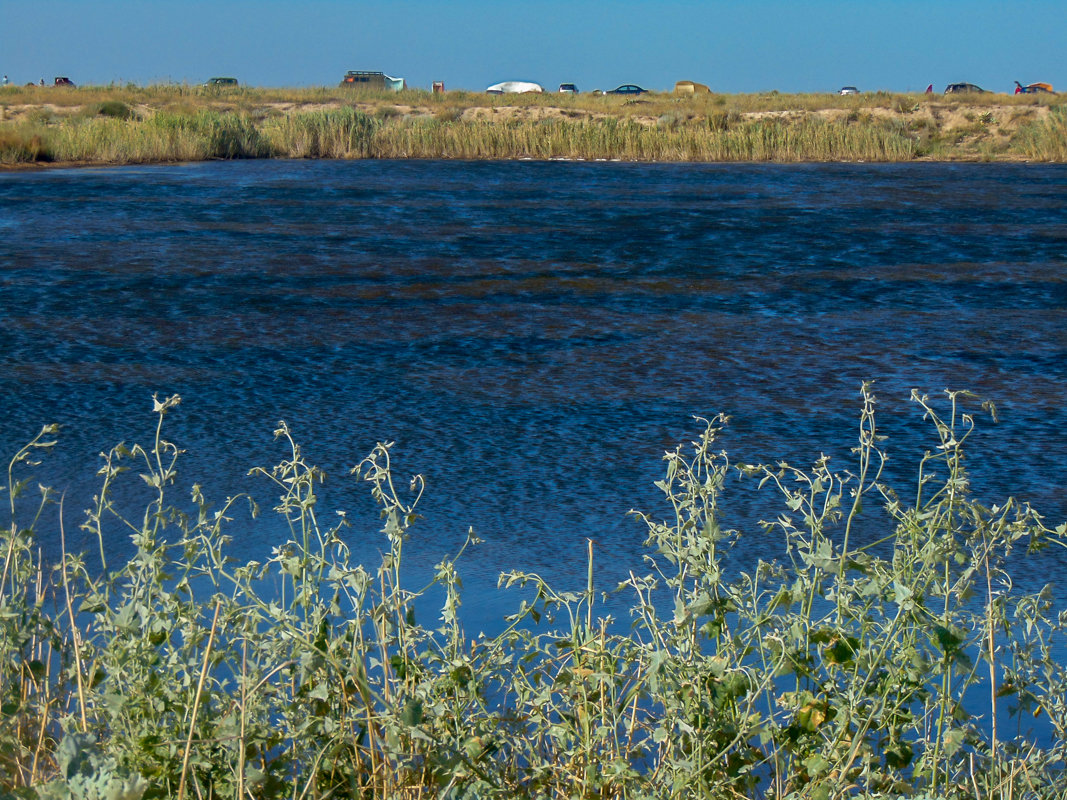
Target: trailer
[358,79]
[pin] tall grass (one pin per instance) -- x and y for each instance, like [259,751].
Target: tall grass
[621,139]
[876,668]
[337,133]
[161,137]
[116,126]
[1045,140]
[349,133]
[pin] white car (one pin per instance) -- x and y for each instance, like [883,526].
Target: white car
[849,90]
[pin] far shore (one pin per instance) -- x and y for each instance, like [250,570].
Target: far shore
[97,126]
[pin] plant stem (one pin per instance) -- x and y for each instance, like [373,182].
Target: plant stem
[196,700]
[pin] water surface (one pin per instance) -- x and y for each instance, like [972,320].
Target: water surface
[532,336]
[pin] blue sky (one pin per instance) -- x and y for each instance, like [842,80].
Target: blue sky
[754,46]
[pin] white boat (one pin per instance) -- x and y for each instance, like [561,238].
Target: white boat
[514,87]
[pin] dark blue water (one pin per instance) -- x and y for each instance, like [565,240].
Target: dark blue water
[532,336]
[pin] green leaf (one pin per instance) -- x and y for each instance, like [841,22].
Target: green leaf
[898,755]
[842,651]
[948,639]
[816,765]
[954,740]
[412,713]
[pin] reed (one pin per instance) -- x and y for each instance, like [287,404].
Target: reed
[877,668]
[808,140]
[162,137]
[22,145]
[117,125]
[347,133]
[1045,140]
[336,133]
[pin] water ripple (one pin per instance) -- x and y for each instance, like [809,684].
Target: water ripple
[533,335]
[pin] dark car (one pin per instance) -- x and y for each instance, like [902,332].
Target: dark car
[221,83]
[962,88]
[64,82]
[627,88]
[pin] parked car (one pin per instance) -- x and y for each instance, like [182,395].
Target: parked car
[568,88]
[848,90]
[962,88]
[1033,88]
[221,83]
[64,82]
[627,88]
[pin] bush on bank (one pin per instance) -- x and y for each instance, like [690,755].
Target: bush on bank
[891,668]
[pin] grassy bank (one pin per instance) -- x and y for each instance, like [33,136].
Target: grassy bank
[908,667]
[162,124]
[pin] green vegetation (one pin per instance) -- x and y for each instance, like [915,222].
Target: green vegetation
[887,669]
[1046,140]
[118,125]
[348,133]
[116,109]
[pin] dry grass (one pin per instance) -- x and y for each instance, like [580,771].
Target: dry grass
[170,123]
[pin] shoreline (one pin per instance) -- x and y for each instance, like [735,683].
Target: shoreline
[45,166]
[68,128]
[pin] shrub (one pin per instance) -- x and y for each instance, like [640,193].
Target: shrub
[720,121]
[448,114]
[115,109]
[905,105]
[20,146]
[671,121]
[855,666]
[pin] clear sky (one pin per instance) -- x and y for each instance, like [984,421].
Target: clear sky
[753,46]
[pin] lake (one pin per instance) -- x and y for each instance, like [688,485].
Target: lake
[532,336]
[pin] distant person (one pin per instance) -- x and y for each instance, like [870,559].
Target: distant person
[6,81]
[42,81]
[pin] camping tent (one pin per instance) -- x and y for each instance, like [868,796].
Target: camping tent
[690,87]
[514,87]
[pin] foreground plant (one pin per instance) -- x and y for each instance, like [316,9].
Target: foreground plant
[877,660]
